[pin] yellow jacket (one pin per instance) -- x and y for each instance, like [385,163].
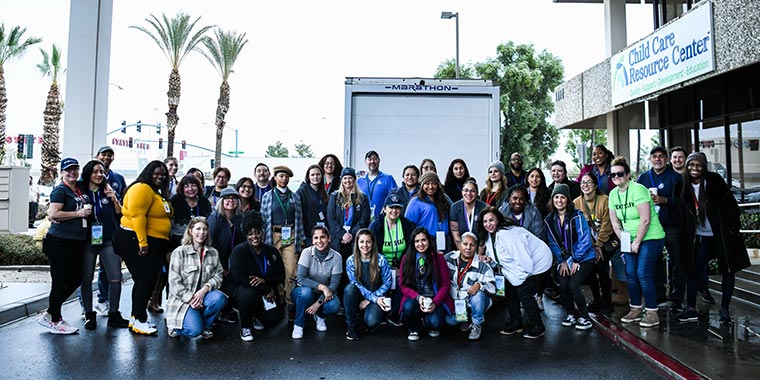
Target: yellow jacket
[147,213]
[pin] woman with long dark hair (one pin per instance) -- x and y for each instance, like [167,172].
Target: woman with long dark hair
[456,176]
[105,211]
[313,199]
[430,208]
[248,202]
[172,165]
[538,192]
[425,283]
[143,239]
[601,163]
[464,213]
[331,169]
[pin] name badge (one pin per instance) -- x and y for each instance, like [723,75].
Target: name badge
[167,207]
[372,212]
[321,217]
[460,306]
[440,240]
[287,236]
[394,277]
[97,234]
[267,304]
[625,241]
[500,288]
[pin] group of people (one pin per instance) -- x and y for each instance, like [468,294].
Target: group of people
[424,254]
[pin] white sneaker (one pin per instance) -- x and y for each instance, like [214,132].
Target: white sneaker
[321,325]
[247,336]
[144,328]
[132,321]
[63,328]
[101,308]
[297,332]
[257,325]
[46,320]
[434,333]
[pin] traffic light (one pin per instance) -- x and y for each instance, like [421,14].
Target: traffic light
[29,142]
[124,126]
[160,143]
[158,128]
[130,142]
[184,144]
[20,148]
[212,164]
[139,126]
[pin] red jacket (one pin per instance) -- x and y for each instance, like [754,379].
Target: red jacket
[441,281]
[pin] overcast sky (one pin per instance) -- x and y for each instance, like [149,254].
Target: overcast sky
[288,81]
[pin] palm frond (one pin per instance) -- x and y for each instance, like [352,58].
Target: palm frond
[223,50]
[11,44]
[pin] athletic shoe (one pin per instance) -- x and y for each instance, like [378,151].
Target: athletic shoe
[246,335]
[475,331]
[569,321]
[540,302]
[464,327]
[257,325]
[725,317]
[62,328]
[634,315]
[207,334]
[688,315]
[395,322]
[46,320]
[650,319]
[321,324]
[434,333]
[351,333]
[583,324]
[533,334]
[676,306]
[90,323]
[707,297]
[512,328]
[143,328]
[173,333]
[132,320]
[413,336]
[297,332]
[101,308]
[229,317]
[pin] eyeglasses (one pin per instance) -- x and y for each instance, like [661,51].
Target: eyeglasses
[586,183]
[617,174]
[469,191]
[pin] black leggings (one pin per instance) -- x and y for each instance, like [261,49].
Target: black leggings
[65,256]
[703,246]
[144,269]
[570,286]
[249,304]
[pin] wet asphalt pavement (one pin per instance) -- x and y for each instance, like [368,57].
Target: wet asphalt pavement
[30,352]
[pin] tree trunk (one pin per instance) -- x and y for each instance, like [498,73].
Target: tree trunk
[171,117]
[223,105]
[3,105]
[50,153]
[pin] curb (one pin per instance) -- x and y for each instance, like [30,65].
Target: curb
[658,360]
[31,306]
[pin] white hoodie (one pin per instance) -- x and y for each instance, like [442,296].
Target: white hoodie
[520,254]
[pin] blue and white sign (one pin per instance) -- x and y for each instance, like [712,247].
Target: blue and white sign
[682,50]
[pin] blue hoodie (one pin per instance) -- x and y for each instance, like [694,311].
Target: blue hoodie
[580,248]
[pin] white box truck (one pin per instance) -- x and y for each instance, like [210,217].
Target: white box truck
[408,119]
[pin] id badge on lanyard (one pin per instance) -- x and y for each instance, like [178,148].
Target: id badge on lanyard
[460,307]
[394,278]
[287,235]
[97,234]
[500,285]
[625,241]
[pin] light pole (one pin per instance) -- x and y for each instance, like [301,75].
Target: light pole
[450,15]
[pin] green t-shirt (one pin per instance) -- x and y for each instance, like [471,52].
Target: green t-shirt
[624,206]
[394,243]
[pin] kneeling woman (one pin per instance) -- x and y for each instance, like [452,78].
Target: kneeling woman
[195,276]
[257,272]
[319,271]
[369,277]
[425,283]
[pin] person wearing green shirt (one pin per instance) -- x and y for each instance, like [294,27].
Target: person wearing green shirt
[641,241]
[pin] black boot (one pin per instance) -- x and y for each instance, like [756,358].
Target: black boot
[115,320]
[90,321]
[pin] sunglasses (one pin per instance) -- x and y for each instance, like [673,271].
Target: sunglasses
[617,174]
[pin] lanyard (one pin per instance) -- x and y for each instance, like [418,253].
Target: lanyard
[588,210]
[493,246]
[203,255]
[623,209]
[263,266]
[490,198]
[96,203]
[469,218]
[260,191]
[171,186]
[371,185]
[565,235]
[514,178]
[463,271]
[74,189]
[348,216]
[194,211]
[284,207]
[394,239]
[233,232]
[651,179]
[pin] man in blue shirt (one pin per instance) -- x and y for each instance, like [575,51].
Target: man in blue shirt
[375,184]
[662,181]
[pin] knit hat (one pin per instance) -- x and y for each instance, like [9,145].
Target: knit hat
[699,157]
[429,176]
[561,189]
[348,171]
[282,169]
[496,164]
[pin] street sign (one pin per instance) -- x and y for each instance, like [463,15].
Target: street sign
[235,152]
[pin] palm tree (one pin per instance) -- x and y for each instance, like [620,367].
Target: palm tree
[176,39]
[11,46]
[51,67]
[222,52]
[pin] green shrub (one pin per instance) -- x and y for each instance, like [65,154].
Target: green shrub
[18,249]
[751,221]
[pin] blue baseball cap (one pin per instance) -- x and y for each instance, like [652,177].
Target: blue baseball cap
[69,162]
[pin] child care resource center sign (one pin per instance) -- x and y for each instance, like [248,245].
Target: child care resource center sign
[679,51]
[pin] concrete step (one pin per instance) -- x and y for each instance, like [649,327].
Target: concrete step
[752,273]
[746,290]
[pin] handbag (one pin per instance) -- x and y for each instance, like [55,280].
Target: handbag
[610,246]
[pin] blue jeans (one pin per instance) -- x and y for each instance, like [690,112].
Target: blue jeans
[639,271]
[198,320]
[352,297]
[303,297]
[478,304]
[413,316]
